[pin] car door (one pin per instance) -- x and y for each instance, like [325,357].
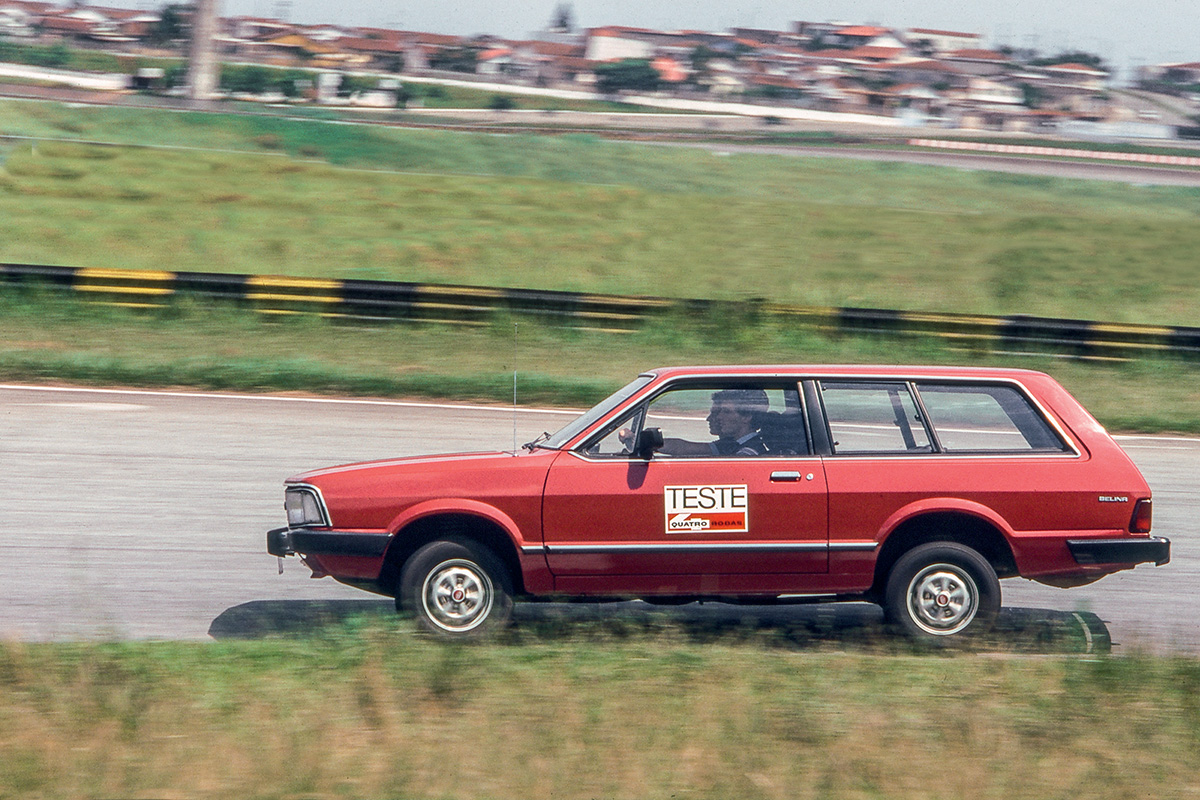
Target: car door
[689,518]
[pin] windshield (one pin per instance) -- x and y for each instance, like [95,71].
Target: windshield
[576,426]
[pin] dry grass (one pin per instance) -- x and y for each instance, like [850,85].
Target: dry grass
[375,713]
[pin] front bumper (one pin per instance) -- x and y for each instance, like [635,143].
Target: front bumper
[289,541]
[1121,551]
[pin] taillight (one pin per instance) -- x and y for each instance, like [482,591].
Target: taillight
[1141,517]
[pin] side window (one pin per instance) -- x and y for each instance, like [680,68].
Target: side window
[987,419]
[739,421]
[873,417]
[710,421]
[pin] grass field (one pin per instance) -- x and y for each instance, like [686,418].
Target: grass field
[574,212]
[364,710]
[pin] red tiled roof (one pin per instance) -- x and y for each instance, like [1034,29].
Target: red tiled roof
[868,52]
[1078,68]
[553,48]
[438,38]
[575,63]
[35,8]
[67,24]
[367,45]
[862,30]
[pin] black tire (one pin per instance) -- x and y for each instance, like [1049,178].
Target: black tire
[941,592]
[457,589]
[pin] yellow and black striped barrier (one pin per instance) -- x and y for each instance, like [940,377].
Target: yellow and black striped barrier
[480,305]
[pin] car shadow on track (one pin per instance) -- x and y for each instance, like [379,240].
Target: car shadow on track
[853,625]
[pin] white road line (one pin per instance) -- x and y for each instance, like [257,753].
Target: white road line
[283,399]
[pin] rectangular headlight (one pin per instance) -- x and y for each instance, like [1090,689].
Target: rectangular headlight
[303,507]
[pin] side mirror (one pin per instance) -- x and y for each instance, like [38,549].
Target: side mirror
[649,440]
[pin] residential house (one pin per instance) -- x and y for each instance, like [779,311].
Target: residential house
[977,61]
[547,63]
[932,42]
[97,24]
[616,43]
[855,36]
[1077,88]
[495,61]
[381,53]
[19,18]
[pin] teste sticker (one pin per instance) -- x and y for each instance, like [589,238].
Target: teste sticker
[706,508]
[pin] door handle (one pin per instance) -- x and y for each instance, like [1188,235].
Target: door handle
[782,476]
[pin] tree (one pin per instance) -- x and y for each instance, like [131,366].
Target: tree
[251,79]
[1032,96]
[628,74]
[455,59]
[357,84]
[173,24]
[1071,57]
[564,18]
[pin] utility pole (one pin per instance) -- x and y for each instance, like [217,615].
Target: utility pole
[202,55]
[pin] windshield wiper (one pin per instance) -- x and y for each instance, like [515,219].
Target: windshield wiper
[538,442]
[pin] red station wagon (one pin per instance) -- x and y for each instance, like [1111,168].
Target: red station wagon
[916,488]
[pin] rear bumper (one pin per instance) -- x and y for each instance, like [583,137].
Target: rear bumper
[1120,551]
[289,541]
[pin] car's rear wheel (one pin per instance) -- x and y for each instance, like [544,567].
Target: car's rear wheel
[942,591]
[456,588]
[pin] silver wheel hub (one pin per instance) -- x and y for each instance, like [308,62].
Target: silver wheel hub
[457,595]
[943,599]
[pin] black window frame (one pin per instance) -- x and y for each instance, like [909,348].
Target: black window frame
[823,441]
[713,383]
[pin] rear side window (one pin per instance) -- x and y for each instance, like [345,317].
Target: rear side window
[873,417]
[987,419]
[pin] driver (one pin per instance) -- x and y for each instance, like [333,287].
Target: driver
[734,420]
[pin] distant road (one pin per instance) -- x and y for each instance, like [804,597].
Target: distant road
[1138,174]
[664,126]
[142,514]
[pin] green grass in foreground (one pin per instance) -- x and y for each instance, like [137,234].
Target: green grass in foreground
[369,710]
[56,338]
[578,213]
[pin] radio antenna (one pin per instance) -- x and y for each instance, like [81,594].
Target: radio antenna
[514,386]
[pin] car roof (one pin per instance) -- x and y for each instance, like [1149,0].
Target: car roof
[844,370]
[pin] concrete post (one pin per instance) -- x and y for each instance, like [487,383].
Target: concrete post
[202,55]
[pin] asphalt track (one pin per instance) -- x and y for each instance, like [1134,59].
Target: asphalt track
[141,515]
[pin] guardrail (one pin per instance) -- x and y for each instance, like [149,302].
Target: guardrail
[480,305]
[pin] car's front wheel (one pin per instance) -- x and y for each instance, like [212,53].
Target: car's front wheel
[456,588]
[942,591]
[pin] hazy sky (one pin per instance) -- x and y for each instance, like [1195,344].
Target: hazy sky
[1126,32]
